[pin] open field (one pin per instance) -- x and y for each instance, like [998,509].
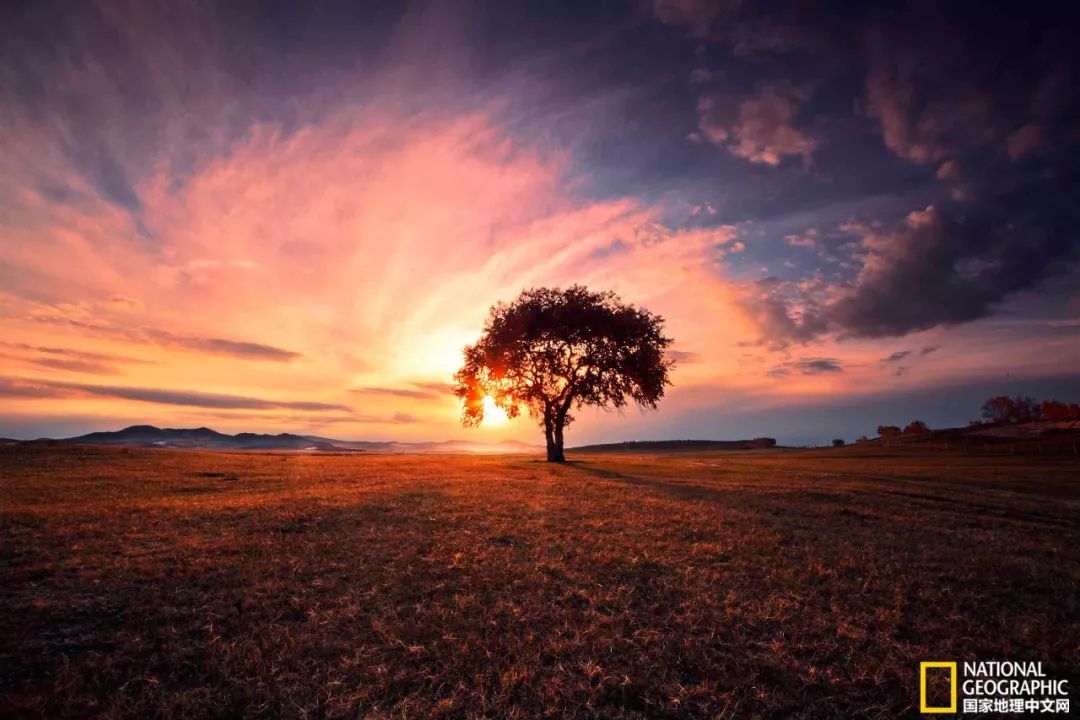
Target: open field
[142,583]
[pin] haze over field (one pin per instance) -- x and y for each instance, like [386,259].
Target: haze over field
[293,219]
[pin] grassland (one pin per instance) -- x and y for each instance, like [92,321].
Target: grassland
[143,583]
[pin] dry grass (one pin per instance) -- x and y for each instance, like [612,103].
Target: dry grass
[804,585]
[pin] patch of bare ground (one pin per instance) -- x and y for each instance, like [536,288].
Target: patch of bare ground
[141,583]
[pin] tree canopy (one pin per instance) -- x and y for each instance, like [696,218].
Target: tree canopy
[554,350]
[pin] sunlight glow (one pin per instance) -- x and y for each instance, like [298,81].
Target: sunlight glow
[493,414]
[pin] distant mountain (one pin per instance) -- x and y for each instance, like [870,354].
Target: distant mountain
[201,438]
[204,438]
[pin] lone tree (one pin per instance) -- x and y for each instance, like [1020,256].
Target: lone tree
[553,350]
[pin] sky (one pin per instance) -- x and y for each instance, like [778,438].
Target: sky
[292,217]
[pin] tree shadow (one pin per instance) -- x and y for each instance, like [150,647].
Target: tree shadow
[679,490]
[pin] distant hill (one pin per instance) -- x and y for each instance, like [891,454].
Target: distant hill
[677,446]
[204,438]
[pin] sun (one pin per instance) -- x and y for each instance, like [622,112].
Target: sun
[493,414]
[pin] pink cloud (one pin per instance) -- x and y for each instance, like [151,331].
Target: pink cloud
[759,128]
[809,239]
[368,248]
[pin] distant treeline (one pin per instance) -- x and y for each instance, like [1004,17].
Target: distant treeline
[998,410]
[1005,410]
[679,445]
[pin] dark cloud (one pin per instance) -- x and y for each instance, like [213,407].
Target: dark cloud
[938,81]
[749,29]
[699,16]
[928,349]
[936,267]
[25,387]
[896,356]
[683,357]
[818,366]
[934,75]
[1028,141]
[807,366]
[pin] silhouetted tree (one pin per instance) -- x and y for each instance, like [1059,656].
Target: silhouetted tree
[764,442]
[998,409]
[916,427]
[553,350]
[1027,409]
[1003,409]
[838,442]
[1054,411]
[888,431]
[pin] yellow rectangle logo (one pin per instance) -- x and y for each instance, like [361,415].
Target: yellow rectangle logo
[923,707]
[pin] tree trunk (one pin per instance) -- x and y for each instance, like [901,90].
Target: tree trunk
[555,451]
[553,454]
[555,442]
[549,435]
[553,427]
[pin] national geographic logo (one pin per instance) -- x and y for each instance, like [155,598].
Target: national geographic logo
[924,706]
[990,687]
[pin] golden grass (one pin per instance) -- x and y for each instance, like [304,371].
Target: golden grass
[726,585]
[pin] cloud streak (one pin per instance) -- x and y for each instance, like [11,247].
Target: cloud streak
[807,366]
[28,387]
[896,356]
[209,345]
[418,391]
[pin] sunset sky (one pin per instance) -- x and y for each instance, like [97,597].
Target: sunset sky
[259,217]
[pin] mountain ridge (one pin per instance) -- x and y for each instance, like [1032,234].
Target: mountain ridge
[204,438]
